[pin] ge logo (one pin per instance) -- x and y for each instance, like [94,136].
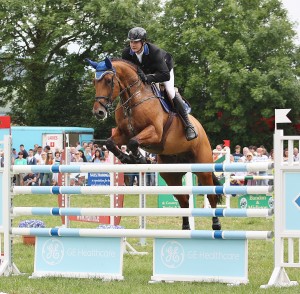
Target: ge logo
[172,254]
[53,251]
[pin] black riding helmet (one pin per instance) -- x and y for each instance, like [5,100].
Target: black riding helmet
[137,34]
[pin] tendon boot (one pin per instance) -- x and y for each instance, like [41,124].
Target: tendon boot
[190,132]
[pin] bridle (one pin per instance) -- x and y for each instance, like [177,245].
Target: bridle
[108,106]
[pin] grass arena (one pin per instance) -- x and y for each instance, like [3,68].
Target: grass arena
[252,230]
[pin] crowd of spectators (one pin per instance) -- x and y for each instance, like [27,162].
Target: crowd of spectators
[38,155]
[85,152]
[249,154]
[94,153]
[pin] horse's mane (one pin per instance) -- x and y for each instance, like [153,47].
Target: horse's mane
[125,61]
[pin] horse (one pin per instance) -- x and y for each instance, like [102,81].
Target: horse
[143,123]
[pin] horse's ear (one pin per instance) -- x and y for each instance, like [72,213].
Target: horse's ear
[108,63]
[92,63]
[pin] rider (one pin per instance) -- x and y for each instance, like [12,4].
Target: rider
[157,67]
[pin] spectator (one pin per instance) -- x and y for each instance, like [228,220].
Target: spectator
[72,154]
[97,156]
[249,159]
[150,176]
[30,179]
[95,147]
[77,157]
[245,152]
[31,160]
[38,154]
[271,155]
[260,157]
[286,154]
[81,154]
[47,178]
[42,161]
[106,156]
[35,148]
[88,154]
[22,149]
[47,149]
[1,158]
[84,145]
[57,160]
[126,175]
[78,145]
[134,177]
[20,161]
[215,154]
[219,150]
[252,148]
[91,146]
[237,154]
[296,154]
[14,154]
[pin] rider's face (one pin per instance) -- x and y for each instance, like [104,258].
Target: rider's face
[136,46]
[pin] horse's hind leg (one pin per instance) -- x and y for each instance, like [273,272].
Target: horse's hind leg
[209,179]
[175,179]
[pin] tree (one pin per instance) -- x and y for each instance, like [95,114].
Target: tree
[242,64]
[41,77]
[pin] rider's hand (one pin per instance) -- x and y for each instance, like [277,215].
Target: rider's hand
[142,75]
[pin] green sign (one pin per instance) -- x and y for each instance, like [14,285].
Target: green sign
[168,200]
[255,201]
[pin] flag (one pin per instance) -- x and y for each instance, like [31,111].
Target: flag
[281,116]
[226,143]
[4,122]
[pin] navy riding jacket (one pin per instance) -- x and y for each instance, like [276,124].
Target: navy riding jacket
[156,62]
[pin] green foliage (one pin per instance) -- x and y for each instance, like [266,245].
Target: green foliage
[242,62]
[40,76]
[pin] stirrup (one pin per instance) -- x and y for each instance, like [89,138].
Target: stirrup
[190,133]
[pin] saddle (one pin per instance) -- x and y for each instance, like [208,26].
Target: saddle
[165,101]
[168,107]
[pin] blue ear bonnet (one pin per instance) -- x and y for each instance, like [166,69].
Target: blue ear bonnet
[102,68]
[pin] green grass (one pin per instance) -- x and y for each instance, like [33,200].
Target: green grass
[138,269]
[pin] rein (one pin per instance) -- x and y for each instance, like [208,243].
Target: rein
[125,104]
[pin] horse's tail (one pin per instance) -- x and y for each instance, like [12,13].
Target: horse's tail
[217,183]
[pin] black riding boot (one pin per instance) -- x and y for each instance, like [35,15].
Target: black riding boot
[190,132]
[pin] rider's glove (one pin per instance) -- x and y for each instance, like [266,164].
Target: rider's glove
[142,75]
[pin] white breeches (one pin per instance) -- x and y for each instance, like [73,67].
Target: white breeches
[169,85]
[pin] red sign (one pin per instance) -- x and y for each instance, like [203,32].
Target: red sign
[4,122]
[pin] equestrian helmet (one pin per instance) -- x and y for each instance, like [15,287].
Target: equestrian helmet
[137,34]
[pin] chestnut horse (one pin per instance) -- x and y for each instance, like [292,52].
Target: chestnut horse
[142,122]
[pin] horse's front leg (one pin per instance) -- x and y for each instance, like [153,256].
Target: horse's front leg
[147,136]
[135,154]
[111,145]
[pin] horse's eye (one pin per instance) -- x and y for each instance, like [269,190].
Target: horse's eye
[108,81]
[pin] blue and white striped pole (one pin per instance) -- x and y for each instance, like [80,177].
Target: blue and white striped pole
[176,190]
[137,233]
[189,212]
[195,167]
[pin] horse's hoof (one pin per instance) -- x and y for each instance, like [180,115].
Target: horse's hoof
[186,227]
[216,227]
[133,145]
[141,160]
[110,145]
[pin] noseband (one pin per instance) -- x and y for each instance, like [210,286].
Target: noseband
[108,106]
